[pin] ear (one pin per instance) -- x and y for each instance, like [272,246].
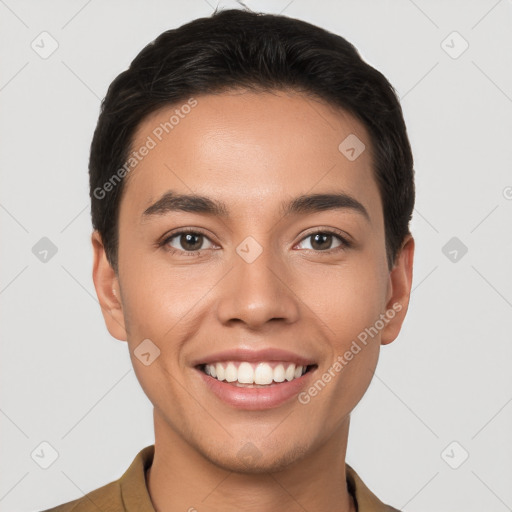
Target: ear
[107,289]
[399,291]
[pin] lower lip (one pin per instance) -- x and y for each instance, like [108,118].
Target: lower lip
[255,399]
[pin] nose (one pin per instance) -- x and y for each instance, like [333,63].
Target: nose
[254,293]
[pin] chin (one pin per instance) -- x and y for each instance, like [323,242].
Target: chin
[250,460]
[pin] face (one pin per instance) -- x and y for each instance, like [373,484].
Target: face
[268,279]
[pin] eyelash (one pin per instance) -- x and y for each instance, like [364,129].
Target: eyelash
[345,244]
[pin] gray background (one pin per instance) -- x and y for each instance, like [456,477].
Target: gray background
[447,377]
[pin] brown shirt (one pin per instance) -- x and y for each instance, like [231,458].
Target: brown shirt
[130,494]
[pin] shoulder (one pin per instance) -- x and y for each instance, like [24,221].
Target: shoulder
[365,499]
[106,498]
[129,492]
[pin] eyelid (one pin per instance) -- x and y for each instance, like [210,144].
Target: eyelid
[179,231]
[343,235]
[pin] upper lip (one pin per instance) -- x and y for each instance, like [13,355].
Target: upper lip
[252,356]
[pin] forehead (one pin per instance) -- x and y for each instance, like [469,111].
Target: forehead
[247,148]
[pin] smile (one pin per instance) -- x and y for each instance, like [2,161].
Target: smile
[246,374]
[238,383]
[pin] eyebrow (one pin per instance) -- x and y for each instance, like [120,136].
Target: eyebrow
[304,204]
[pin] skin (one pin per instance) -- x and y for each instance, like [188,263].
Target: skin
[252,151]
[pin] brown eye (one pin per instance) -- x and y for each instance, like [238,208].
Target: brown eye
[191,242]
[323,241]
[186,241]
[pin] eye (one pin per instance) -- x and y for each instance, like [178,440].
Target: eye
[192,242]
[186,241]
[322,241]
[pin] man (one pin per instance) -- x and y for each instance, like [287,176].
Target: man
[251,186]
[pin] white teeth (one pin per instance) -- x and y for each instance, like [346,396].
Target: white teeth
[279,373]
[290,372]
[254,373]
[245,374]
[219,370]
[231,372]
[263,374]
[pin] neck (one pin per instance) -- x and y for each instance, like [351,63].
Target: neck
[181,478]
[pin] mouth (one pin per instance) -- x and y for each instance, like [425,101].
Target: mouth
[250,379]
[261,374]
[254,386]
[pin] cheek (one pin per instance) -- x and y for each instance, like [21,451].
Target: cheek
[347,298]
[161,302]
[349,305]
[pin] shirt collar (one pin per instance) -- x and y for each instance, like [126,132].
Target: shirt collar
[135,495]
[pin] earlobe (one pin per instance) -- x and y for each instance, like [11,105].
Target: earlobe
[400,290]
[107,289]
